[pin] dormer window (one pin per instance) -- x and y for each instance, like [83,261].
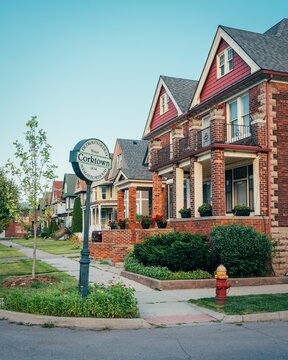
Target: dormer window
[225,62]
[164,100]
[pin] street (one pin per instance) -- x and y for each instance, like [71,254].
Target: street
[210,341]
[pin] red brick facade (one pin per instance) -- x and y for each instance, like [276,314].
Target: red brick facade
[218,182]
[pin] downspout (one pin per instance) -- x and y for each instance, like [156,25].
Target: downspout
[269,151]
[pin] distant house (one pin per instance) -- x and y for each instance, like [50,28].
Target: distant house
[58,205]
[230,147]
[68,196]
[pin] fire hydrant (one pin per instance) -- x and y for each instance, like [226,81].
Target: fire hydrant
[221,285]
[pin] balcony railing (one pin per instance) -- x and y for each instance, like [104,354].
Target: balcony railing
[237,132]
[184,145]
[204,137]
[164,154]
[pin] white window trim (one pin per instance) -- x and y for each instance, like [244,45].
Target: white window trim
[164,100]
[226,62]
[240,117]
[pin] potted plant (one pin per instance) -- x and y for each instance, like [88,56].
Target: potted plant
[146,221]
[160,221]
[205,210]
[185,213]
[112,224]
[241,210]
[121,223]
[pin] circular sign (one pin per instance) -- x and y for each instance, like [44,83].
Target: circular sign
[90,160]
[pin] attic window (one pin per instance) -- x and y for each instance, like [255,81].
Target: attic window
[224,62]
[164,100]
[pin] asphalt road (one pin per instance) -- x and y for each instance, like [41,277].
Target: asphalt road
[211,341]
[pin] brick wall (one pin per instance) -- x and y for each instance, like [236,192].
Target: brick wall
[120,204]
[204,226]
[15,229]
[218,182]
[157,195]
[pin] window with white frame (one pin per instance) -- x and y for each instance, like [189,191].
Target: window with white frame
[225,62]
[238,119]
[164,100]
[104,192]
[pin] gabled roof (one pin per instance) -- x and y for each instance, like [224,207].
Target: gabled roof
[267,51]
[180,91]
[57,190]
[133,153]
[70,180]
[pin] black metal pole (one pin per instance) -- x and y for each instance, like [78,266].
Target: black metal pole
[85,258]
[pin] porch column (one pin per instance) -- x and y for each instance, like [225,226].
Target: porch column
[132,207]
[177,134]
[196,187]
[178,190]
[263,176]
[217,126]
[258,129]
[155,146]
[157,196]
[218,182]
[99,215]
[120,204]
[194,128]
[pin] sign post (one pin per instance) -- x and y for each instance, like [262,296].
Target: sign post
[91,161]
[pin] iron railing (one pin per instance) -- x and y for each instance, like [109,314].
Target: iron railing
[204,137]
[237,132]
[184,145]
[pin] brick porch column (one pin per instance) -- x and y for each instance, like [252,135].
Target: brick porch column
[217,126]
[132,207]
[120,205]
[196,187]
[258,129]
[263,185]
[194,127]
[157,196]
[218,182]
[154,146]
[177,134]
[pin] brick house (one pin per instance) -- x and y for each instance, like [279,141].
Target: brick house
[230,147]
[58,206]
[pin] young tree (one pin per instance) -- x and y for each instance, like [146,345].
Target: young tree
[9,200]
[33,169]
[77,216]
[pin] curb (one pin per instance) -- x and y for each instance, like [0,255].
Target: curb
[230,319]
[79,323]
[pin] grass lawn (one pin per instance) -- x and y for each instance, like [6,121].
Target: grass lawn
[56,247]
[6,252]
[248,304]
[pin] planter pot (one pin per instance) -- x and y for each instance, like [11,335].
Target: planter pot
[113,227]
[206,213]
[122,226]
[185,215]
[241,212]
[145,226]
[161,225]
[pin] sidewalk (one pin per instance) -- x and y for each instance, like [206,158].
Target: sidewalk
[156,307]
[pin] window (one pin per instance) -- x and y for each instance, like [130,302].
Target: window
[238,119]
[103,216]
[119,161]
[186,193]
[164,100]
[225,62]
[206,131]
[103,188]
[111,192]
[207,192]
[239,187]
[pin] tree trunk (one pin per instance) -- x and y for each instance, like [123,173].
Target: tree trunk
[34,245]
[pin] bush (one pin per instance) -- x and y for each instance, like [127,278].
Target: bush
[242,250]
[115,301]
[176,251]
[52,228]
[161,273]
[77,216]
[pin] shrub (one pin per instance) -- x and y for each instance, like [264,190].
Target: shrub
[176,251]
[161,273]
[52,227]
[77,216]
[242,250]
[115,301]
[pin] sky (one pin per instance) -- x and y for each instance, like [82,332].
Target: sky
[89,68]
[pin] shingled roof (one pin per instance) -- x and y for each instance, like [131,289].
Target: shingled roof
[70,180]
[133,154]
[269,50]
[182,90]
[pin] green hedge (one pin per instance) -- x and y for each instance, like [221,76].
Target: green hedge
[77,216]
[161,273]
[176,251]
[242,250]
[115,301]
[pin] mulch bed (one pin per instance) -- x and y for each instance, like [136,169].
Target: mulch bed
[24,281]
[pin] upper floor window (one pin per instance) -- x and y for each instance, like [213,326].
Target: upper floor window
[119,161]
[164,100]
[238,118]
[225,62]
[104,192]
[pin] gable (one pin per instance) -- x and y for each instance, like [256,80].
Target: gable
[158,118]
[213,84]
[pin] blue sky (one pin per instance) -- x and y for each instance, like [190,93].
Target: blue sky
[89,68]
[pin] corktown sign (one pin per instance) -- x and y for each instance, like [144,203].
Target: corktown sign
[90,160]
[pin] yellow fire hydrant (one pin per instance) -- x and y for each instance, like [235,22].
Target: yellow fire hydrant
[221,285]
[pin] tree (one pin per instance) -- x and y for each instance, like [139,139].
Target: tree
[33,170]
[9,200]
[77,216]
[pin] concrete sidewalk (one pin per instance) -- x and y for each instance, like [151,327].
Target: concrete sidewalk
[156,307]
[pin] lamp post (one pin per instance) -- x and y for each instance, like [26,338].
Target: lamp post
[91,161]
